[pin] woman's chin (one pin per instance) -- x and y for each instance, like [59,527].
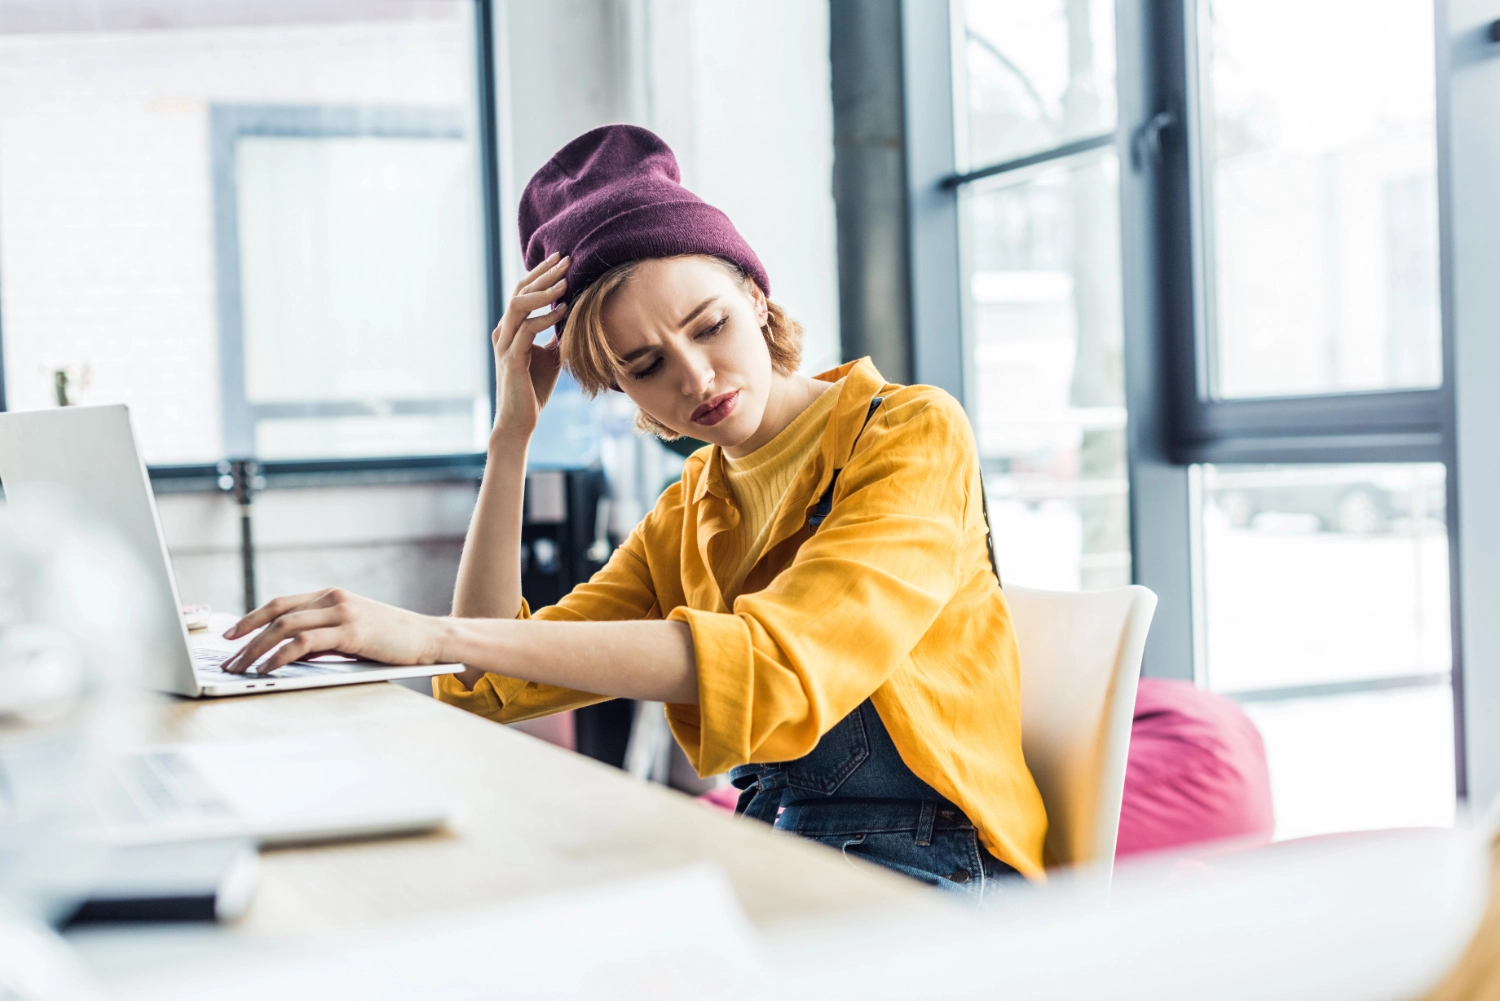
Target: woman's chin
[726,434]
[716,436]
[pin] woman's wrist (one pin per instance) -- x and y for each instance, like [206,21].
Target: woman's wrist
[509,442]
[475,643]
[443,640]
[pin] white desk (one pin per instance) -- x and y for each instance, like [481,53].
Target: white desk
[538,819]
[533,818]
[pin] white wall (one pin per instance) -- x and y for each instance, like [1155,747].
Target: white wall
[763,149]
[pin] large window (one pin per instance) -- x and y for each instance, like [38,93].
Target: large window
[1037,76]
[262,227]
[1039,218]
[1326,613]
[1269,381]
[1319,188]
[1323,565]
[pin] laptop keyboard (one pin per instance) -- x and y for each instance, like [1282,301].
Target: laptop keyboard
[137,790]
[210,665]
[162,786]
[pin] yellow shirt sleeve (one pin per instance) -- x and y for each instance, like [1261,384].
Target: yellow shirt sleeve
[791,660]
[622,589]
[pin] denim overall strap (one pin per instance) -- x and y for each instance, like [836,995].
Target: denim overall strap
[824,507]
[819,513]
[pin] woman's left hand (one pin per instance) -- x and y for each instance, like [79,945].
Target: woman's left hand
[334,621]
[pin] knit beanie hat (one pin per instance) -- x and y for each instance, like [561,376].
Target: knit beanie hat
[614,195]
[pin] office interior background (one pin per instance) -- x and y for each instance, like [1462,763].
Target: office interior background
[1211,278]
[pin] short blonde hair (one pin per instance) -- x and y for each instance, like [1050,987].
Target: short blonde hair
[587,355]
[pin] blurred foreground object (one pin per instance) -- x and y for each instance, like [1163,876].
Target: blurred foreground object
[37,965]
[187,881]
[1379,916]
[72,650]
[1197,772]
[1476,977]
[672,934]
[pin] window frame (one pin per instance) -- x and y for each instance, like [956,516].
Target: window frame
[395,468]
[1159,493]
[228,123]
[1388,425]
[1383,426]
[1173,425]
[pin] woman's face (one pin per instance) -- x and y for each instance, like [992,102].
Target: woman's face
[694,357]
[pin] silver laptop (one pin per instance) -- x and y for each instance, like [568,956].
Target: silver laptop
[91,452]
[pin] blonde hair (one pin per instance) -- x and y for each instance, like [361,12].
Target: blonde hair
[587,355]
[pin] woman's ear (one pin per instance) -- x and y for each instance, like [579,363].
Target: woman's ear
[761,304]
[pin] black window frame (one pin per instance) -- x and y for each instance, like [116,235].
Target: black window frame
[1395,425]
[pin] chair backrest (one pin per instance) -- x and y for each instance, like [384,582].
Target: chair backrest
[1080,661]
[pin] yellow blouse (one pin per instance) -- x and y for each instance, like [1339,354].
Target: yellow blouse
[892,599]
[757,484]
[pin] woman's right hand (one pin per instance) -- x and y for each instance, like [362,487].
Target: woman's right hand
[525,372]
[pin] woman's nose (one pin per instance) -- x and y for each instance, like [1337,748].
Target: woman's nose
[698,377]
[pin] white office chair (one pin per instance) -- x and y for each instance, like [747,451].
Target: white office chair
[1080,661]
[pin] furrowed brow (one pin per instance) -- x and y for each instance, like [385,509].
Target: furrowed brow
[698,310]
[692,315]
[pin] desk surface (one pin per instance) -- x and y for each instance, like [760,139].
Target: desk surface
[537,819]
[533,818]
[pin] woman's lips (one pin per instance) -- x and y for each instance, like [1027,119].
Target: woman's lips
[716,409]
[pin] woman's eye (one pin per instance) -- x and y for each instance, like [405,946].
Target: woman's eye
[711,331]
[648,371]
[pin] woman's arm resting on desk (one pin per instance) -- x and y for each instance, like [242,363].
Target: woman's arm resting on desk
[650,660]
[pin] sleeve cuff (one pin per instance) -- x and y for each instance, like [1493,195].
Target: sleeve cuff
[487,698]
[716,733]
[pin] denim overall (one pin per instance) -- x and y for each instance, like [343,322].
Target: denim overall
[854,793]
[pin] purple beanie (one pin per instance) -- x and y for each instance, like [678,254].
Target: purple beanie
[613,195]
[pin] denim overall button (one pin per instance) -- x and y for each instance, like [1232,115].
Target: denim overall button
[959,876]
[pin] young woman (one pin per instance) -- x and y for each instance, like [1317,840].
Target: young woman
[813,601]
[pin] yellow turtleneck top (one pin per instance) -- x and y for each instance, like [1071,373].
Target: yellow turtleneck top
[759,482]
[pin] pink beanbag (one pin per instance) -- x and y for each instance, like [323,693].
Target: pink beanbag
[1196,772]
[723,797]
